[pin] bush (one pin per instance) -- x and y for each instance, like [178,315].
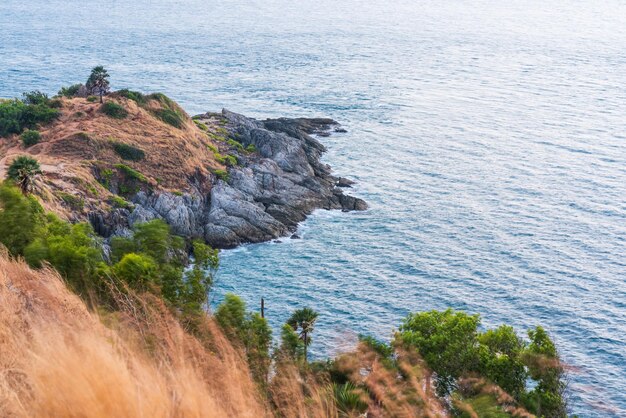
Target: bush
[235,144]
[92,99]
[30,138]
[135,96]
[131,173]
[21,218]
[15,115]
[120,202]
[128,152]
[228,160]
[251,148]
[114,110]
[35,98]
[170,117]
[74,202]
[70,91]
[221,174]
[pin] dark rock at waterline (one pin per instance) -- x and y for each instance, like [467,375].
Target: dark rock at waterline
[265,198]
[295,236]
[344,182]
[340,130]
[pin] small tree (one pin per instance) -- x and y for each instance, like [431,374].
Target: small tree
[23,171]
[98,81]
[304,320]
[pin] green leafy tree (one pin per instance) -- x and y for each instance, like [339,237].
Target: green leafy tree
[547,398]
[304,320]
[139,271]
[23,171]
[98,81]
[290,343]
[21,219]
[73,250]
[501,361]
[448,342]
[155,239]
[247,330]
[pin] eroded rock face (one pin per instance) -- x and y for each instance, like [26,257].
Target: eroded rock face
[265,198]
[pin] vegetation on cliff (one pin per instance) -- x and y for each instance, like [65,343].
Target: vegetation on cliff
[438,364]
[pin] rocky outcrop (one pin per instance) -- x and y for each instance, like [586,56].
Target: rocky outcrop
[264,197]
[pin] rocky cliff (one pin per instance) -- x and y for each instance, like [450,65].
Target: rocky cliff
[222,176]
[263,197]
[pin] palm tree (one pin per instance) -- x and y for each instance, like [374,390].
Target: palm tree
[304,320]
[98,81]
[23,171]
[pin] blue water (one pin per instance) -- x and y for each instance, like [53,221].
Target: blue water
[487,136]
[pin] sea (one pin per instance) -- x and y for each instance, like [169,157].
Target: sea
[487,136]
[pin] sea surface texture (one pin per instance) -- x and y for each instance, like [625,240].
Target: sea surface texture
[489,138]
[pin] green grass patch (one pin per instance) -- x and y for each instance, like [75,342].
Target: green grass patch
[92,99]
[135,96]
[251,148]
[201,125]
[128,152]
[170,117]
[131,173]
[221,174]
[114,110]
[30,138]
[212,148]
[229,160]
[120,202]
[235,144]
[74,202]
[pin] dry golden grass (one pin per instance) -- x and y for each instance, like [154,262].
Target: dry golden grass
[58,360]
[81,138]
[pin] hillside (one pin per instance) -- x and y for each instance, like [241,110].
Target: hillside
[220,176]
[77,151]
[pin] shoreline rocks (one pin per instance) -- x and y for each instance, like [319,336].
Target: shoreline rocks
[263,199]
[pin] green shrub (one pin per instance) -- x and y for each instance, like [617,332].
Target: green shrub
[92,99]
[21,218]
[221,174]
[114,110]
[15,115]
[128,152]
[70,91]
[30,138]
[213,148]
[135,96]
[228,160]
[251,148]
[120,202]
[131,173]
[235,144]
[35,97]
[170,117]
[74,202]
[201,125]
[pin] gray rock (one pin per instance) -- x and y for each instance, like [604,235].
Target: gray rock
[263,200]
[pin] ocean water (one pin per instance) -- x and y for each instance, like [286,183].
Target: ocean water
[488,137]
